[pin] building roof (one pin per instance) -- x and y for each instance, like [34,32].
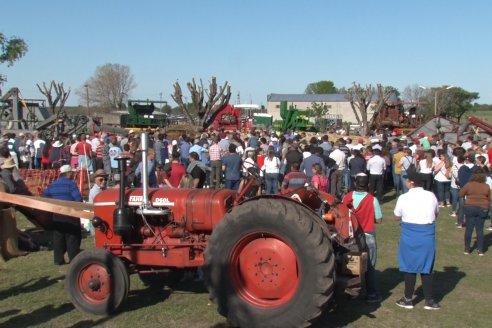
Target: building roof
[335,97]
[332,97]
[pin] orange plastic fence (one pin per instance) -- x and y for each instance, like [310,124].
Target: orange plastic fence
[37,180]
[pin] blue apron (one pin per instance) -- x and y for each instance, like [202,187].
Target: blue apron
[417,248]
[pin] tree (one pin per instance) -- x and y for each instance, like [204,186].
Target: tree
[361,99]
[57,101]
[321,87]
[455,102]
[319,112]
[110,86]
[217,100]
[12,49]
[413,95]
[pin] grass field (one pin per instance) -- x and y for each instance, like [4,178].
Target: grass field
[32,293]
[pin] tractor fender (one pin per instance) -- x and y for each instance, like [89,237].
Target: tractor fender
[321,222]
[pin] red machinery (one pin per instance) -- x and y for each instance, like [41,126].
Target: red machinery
[268,260]
[228,119]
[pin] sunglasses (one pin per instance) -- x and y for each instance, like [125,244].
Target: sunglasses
[102,179]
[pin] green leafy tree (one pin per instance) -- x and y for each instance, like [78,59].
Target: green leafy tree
[11,49]
[321,87]
[456,102]
[319,112]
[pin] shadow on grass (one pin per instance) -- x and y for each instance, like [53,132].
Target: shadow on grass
[137,299]
[37,317]
[8,313]
[345,310]
[444,282]
[29,286]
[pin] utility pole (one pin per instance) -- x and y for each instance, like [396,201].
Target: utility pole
[87,97]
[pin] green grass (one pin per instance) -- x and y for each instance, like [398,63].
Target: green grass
[31,295]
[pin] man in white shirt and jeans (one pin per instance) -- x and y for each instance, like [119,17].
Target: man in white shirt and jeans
[376,166]
[336,178]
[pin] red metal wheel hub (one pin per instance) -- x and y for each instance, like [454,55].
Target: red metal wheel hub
[264,270]
[94,283]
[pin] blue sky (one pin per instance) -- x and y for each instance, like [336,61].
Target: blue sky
[260,47]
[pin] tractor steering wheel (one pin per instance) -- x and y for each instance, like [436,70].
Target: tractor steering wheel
[254,170]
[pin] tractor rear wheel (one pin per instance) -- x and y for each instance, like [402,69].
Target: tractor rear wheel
[97,282]
[269,263]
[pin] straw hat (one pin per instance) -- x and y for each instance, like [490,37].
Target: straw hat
[65,168]
[100,173]
[8,164]
[58,144]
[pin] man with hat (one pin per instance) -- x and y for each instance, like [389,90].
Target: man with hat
[100,183]
[67,233]
[424,142]
[417,211]
[366,209]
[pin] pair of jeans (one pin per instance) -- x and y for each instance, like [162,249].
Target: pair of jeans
[454,198]
[403,181]
[461,212]
[215,174]
[376,185]
[475,219]
[336,183]
[271,183]
[370,274]
[232,184]
[396,180]
[443,191]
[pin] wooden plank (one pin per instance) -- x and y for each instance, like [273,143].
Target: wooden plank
[64,207]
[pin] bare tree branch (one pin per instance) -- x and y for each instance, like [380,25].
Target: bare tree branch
[178,99]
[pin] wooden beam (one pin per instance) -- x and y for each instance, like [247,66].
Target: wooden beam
[63,207]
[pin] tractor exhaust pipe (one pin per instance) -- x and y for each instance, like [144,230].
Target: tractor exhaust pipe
[145,170]
[146,207]
[122,216]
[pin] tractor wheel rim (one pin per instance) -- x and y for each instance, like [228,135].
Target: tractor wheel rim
[94,283]
[264,270]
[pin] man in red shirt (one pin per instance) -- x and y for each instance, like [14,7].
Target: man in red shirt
[173,178]
[84,149]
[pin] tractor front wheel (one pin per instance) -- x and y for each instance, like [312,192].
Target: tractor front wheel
[97,282]
[269,263]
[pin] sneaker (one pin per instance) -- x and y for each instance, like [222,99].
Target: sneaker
[441,205]
[466,252]
[373,298]
[480,253]
[404,303]
[432,305]
[459,226]
[448,205]
[489,228]
[453,214]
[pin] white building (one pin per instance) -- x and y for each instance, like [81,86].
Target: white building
[338,104]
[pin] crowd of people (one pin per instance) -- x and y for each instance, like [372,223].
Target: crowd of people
[456,174]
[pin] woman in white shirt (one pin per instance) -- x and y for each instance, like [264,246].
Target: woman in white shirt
[426,167]
[271,167]
[442,178]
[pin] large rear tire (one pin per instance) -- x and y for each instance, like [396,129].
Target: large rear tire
[269,263]
[97,282]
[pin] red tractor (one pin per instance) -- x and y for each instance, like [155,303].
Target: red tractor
[269,261]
